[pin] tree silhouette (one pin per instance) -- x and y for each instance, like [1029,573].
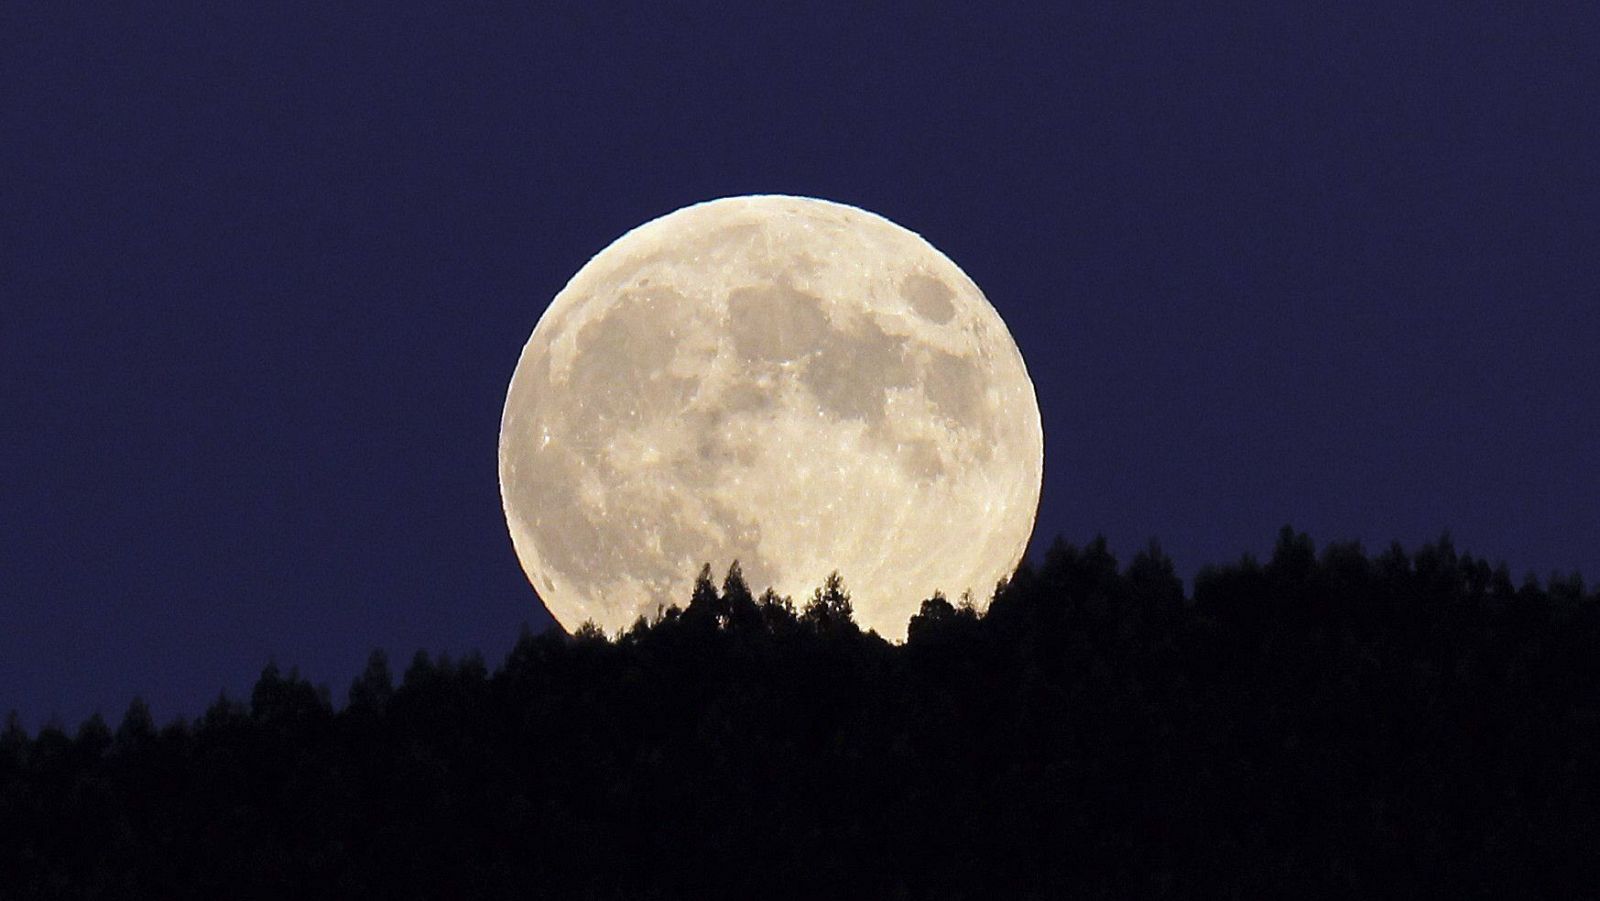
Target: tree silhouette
[931,619]
[705,604]
[743,614]
[373,689]
[137,730]
[777,612]
[1324,724]
[829,612]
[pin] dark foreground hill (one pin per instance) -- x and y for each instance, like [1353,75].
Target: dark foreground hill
[1330,725]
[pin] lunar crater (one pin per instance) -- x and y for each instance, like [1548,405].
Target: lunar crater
[929,297]
[775,323]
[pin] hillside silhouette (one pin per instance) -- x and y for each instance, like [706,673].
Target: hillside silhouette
[1320,724]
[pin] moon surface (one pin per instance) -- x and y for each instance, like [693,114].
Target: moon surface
[796,384]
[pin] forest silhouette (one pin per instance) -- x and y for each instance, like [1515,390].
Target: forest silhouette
[1333,724]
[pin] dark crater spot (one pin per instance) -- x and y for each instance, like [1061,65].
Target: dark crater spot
[851,374]
[744,397]
[700,467]
[920,459]
[929,297]
[775,323]
[620,371]
[955,386]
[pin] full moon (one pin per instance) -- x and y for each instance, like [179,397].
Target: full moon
[795,384]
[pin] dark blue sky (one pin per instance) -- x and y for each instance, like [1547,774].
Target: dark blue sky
[265,271]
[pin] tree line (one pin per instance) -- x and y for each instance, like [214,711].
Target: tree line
[1318,724]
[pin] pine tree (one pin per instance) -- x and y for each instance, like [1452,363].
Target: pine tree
[829,611]
[743,615]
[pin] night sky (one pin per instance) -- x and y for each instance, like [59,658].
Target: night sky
[265,272]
